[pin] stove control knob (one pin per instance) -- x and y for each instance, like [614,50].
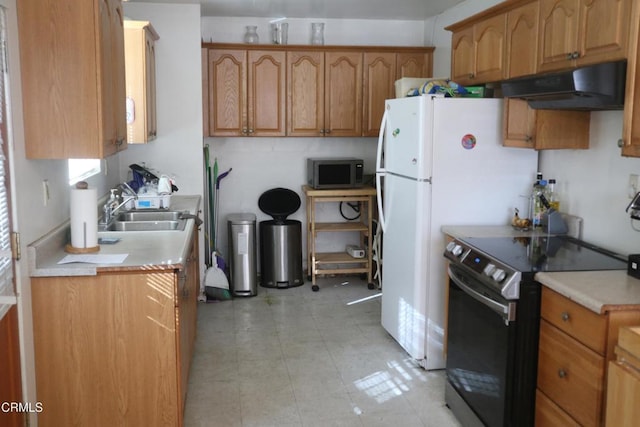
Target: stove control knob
[457,250]
[489,269]
[499,275]
[450,246]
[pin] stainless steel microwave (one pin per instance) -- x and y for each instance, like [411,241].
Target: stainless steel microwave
[337,172]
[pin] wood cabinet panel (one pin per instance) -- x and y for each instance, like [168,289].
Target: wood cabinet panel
[604,31]
[522,41]
[579,32]
[305,94]
[73,78]
[266,89]
[623,395]
[343,93]
[140,38]
[489,38]
[414,64]
[228,75]
[525,127]
[573,319]
[105,349]
[10,378]
[116,348]
[463,56]
[558,33]
[379,85]
[571,374]
[631,123]
[548,414]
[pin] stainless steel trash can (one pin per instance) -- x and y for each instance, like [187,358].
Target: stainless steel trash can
[242,254]
[280,254]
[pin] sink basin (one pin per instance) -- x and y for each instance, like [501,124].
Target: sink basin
[147,225]
[146,220]
[150,215]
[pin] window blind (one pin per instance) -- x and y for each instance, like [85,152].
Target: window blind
[7,290]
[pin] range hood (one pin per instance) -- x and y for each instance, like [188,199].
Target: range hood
[595,87]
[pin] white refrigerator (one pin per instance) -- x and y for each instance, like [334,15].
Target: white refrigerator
[440,161]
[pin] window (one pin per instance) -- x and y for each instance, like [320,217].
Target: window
[7,290]
[81,169]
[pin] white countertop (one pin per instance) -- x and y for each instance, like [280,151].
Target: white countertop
[157,250]
[599,291]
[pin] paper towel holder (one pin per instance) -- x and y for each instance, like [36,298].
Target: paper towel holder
[81,185]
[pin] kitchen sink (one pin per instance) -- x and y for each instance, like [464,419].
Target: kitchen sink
[146,220]
[149,215]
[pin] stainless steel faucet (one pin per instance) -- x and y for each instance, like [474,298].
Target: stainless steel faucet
[114,204]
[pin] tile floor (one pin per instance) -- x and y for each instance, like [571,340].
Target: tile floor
[293,357]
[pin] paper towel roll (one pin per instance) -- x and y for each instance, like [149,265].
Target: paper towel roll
[84,218]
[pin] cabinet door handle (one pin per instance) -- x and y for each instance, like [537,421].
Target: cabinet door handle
[570,56]
[565,316]
[322,131]
[327,131]
[562,373]
[119,142]
[575,55]
[250,131]
[471,75]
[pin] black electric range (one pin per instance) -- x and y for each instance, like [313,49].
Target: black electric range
[547,253]
[494,317]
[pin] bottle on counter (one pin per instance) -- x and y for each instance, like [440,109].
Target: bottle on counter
[539,188]
[552,195]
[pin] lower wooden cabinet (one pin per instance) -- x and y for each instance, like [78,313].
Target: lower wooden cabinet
[115,348]
[623,390]
[575,346]
[10,378]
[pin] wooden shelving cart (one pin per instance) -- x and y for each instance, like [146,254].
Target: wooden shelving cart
[320,263]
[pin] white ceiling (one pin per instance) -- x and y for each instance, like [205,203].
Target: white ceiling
[329,9]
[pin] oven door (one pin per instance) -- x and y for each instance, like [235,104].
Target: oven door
[480,347]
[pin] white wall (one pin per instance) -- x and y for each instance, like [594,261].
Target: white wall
[593,184]
[177,149]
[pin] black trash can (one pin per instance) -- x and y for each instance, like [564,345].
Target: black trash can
[280,240]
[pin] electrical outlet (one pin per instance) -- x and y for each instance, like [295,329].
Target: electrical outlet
[634,185]
[45,192]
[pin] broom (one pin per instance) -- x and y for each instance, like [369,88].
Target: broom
[216,285]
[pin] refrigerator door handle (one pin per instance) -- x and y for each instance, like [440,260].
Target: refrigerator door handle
[380,171]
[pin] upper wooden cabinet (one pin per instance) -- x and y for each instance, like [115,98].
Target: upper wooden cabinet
[305,93]
[247,92]
[415,64]
[522,41]
[328,90]
[524,127]
[325,93]
[478,51]
[631,122]
[381,70]
[140,64]
[580,32]
[73,78]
